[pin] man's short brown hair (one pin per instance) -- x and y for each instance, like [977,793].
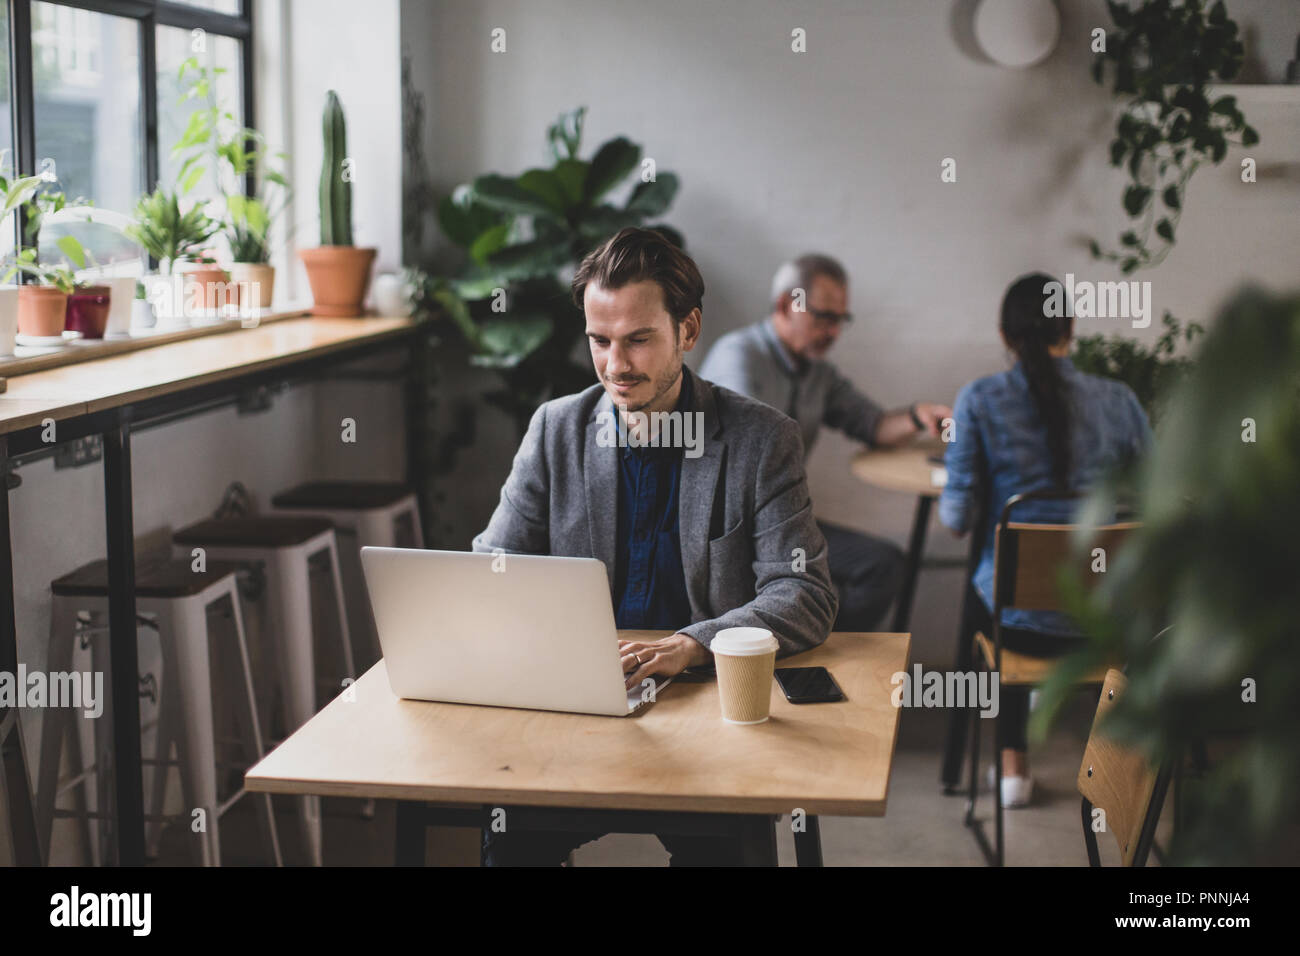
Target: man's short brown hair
[635,255]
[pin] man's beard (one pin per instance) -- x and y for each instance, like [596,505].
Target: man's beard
[664,383]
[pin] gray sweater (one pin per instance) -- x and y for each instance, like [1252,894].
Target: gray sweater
[753,362]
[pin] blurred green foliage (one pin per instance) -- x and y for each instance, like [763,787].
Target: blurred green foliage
[1215,572]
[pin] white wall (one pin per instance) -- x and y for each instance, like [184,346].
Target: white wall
[839,149]
[352,49]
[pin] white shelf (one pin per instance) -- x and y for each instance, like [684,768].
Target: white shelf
[1258,92]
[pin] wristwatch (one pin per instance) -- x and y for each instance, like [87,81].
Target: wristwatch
[911,410]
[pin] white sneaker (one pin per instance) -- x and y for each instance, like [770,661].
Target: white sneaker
[1016,791]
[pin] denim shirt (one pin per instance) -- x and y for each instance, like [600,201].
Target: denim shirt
[1000,442]
[649,581]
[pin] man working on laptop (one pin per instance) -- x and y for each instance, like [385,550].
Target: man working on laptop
[782,361]
[693,497]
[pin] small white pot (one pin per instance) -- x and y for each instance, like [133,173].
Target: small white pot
[142,316]
[166,294]
[392,296]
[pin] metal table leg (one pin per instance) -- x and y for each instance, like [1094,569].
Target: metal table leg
[952,750]
[123,653]
[409,836]
[758,840]
[15,781]
[912,564]
[808,844]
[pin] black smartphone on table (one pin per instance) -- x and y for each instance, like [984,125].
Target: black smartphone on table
[808,685]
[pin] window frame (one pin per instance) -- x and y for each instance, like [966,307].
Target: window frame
[149,15]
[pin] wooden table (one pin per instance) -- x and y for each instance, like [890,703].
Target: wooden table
[675,767]
[907,469]
[110,397]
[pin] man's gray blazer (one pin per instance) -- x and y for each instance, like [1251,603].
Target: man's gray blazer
[751,552]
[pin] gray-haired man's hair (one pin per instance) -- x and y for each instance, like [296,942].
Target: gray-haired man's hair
[799,274]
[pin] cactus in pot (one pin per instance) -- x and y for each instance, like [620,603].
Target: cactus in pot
[338,271]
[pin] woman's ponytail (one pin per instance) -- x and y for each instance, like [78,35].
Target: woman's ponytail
[1029,330]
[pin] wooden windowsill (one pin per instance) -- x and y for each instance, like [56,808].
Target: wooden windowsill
[88,351]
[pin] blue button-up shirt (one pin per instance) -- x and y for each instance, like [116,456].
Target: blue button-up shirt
[1000,441]
[649,583]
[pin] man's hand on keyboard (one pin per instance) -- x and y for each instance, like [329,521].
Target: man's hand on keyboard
[666,657]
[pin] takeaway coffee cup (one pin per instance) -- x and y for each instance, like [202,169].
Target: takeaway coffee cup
[745,658]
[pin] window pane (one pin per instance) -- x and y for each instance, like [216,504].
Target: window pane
[86,82]
[174,46]
[220,6]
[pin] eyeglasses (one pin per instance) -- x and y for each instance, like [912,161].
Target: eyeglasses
[832,319]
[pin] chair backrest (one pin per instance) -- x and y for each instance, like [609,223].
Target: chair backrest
[1029,557]
[1121,782]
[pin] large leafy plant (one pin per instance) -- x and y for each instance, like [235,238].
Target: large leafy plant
[523,236]
[1215,561]
[1163,58]
[1150,372]
[214,140]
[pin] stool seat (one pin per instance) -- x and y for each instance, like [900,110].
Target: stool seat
[258,531]
[164,579]
[342,495]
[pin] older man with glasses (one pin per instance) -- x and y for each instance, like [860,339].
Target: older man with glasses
[782,361]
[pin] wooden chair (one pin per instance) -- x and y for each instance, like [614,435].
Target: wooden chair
[1027,561]
[1120,782]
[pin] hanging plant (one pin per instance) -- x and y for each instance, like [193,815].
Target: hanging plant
[1163,59]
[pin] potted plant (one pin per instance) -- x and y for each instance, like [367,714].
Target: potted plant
[88,310]
[43,306]
[234,152]
[172,238]
[248,231]
[208,288]
[339,272]
[1150,372]
[1165,59]
[14,192]
[142,316]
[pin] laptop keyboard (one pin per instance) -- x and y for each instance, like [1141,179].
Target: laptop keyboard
[634,696]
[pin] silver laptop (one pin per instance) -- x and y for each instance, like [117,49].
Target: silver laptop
[506,630]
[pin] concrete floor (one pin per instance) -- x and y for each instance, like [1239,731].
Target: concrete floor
[922,826]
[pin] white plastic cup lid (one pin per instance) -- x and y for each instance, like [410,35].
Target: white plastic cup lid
[743,641]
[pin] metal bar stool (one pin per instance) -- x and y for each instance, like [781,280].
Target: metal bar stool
[175,600]
[284,548]
[370,513]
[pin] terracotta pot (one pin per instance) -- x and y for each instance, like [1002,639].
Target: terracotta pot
[339,277]
[256,277]
[42,310]
[88,311]
[207,288]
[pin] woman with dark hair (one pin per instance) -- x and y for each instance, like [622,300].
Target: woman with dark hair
[1041,425]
